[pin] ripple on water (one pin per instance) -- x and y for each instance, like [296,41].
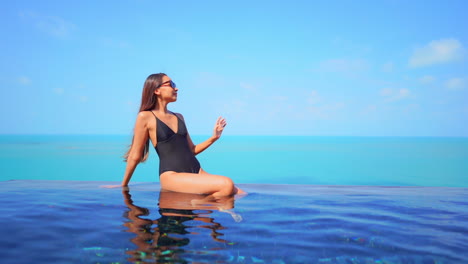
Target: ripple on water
[81,223]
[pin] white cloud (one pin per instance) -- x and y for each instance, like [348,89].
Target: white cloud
[388,67]
[386,91]
[278,105]
[51,25]
[325,111]
[402,93]
[59,90]
[318,108]
[316,112]
[344,65]
[335,106]
[394,94]
[313,97]
[436,52]
[23,80]
[427,79]
[247,86]
[234,108]
[83,98]
[411,108]
[280,98]
[455,84]
[370,109]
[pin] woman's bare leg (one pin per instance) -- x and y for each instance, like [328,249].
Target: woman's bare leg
[201,183]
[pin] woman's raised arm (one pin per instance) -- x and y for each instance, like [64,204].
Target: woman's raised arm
[217,131]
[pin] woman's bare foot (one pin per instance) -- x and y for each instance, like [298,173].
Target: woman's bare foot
[110,186]
[239,193]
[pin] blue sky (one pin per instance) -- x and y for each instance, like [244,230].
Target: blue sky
[365,68]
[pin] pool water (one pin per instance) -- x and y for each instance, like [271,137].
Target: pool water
[79,222]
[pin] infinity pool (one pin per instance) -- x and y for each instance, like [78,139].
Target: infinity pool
[79,222]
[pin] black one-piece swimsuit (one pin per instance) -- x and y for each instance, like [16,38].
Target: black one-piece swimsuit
[173,148]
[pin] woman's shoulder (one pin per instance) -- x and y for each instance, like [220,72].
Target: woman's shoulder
[179,115]
[144,120]
[145,116]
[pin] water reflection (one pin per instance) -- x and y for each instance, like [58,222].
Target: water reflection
[167,239]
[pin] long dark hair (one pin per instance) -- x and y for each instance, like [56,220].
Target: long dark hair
[148,102]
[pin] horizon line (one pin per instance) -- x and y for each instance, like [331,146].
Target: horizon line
[239,135]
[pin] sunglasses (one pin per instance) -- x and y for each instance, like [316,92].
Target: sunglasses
[171,83]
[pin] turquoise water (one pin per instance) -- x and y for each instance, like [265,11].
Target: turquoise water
[311,200]
[387,161]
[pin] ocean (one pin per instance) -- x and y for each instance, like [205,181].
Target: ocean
[369,161]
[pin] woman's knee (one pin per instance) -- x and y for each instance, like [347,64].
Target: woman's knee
[226,187]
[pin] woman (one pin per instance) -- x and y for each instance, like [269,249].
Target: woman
[179,169]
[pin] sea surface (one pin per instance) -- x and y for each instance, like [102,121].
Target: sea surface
[311,200]
[375,161]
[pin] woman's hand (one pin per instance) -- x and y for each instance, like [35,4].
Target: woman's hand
[219,127]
